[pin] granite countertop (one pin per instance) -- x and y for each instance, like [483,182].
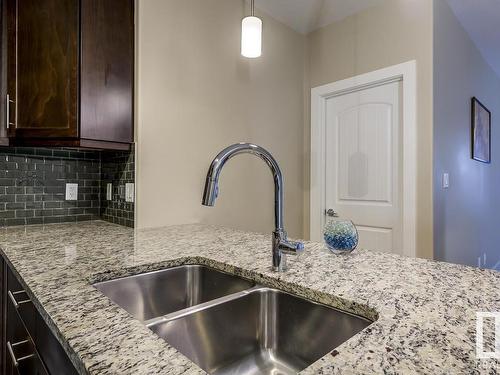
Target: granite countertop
[424,311]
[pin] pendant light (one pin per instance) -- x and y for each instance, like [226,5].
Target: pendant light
[251,34]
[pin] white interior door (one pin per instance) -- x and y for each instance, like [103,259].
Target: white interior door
[363,163]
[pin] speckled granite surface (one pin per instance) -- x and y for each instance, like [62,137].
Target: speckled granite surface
[425,310]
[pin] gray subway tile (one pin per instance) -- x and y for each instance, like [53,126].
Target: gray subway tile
[14,206]
[12,222]
[24,213]
[41,175]
[7,182]
[52,205]
[7,214]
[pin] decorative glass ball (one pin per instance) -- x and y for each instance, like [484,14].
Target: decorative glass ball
[341,236]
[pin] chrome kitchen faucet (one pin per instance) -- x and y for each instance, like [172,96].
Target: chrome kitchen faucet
[281,245]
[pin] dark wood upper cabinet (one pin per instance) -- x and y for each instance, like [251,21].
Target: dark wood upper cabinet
[70,73]
[4,141]
[107,70]
[46,66]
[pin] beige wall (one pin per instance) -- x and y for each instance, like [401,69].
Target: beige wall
[196,95]
[395,32]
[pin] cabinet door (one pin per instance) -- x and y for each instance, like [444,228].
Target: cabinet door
[54,357]
[3,316]
[3,73]
[29,335]
[43,67]
[107,70]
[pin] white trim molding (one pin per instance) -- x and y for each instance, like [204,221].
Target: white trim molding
[407,72]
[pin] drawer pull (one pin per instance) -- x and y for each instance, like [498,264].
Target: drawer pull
[13,298]
[11,347]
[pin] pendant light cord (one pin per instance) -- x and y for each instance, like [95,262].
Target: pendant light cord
[252,7]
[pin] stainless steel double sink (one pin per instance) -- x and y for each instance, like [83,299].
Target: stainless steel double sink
[229,325]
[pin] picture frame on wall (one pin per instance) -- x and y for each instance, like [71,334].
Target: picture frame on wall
[480,131]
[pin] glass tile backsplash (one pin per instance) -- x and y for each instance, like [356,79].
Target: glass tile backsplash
[33,183]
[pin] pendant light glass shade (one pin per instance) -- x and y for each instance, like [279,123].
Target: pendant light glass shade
[251,37]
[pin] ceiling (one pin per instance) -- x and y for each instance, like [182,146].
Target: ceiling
[305,16]
[481,20]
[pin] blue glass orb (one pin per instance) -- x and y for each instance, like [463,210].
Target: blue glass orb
[341,236]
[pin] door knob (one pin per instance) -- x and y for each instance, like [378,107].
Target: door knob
[331,212]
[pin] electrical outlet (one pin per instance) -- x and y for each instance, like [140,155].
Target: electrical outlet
[109,191]
[129,192]
[446,180]
[71,192]
[121,192]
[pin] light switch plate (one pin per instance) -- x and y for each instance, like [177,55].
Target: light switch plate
[71,192]
[109,191]
[129,192]
[446,180]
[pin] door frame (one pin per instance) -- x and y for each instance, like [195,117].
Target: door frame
[407,73]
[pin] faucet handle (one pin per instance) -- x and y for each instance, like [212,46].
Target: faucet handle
[281,247]
[287,247]
[291,247]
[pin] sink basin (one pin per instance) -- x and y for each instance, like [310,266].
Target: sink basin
[262,331]
[227,325]
[158,293]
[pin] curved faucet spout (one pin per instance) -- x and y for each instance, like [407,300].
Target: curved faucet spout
[281,245]
[211,191]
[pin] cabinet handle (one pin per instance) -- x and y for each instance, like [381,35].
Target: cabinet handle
[7,111]
[10,348]
[13,299]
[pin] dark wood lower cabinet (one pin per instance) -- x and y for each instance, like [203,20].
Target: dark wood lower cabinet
[28,345]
